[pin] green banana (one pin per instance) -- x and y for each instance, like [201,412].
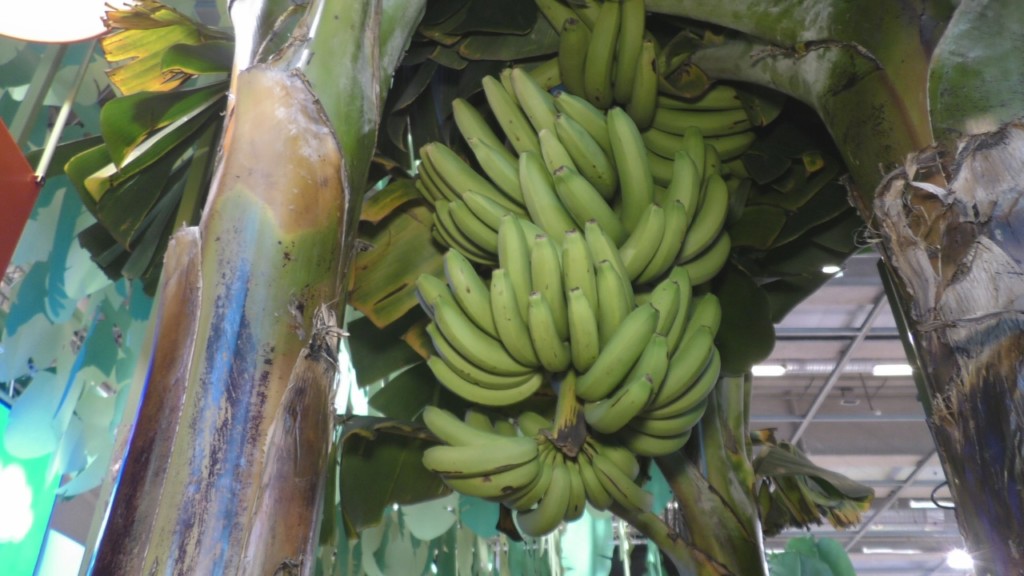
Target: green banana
[478,420]
[425,192]
[589,157]
[653,446]
[453,237]
[475,344]
[551,510]
[577,492]
[469,291]
[510,117]
[514,257]
[706,311]
[598,66]
[619,455]
[546,275]
[587,116]
[628,49]
[583,202]
[584,342]
[478,394]
[710,123]
[666,298]
[475,229]
[710,262]
[653,362]
[636,185]
[666,145]
[531,424]
[673,426]
[685,367]
[611,414]
[697,148]
[510,324]
[586,10]
[430,289]
[495,486]
[556,12]
[661,169]
[672,242]
[614,302]
[644,99]
[572,53]
[677,330]
[452,430]
[693,395]
[708,221]
[534,100]
[552,351]
[505,79]
[598,497]
[603,248]
[638,249]
[501,454]
[685,186]
[433,181]
[719,97]
[502,169]
[485,209]
[542,202]
[619,354]
[578,267]
[526,498]
[469,371]
[553,152]
[472,124]
[505,428]
[623,490]
[459,176]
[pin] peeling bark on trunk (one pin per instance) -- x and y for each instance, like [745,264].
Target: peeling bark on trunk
[957,252]
[242,482]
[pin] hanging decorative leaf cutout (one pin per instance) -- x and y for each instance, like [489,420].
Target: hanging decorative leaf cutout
[141,35]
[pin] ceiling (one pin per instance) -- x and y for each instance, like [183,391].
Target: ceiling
[869,428]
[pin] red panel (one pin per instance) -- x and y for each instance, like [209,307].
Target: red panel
[18,191]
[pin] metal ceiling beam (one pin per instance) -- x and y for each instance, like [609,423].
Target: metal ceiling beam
[865,328]
[839,418]
[783,333]
[893,497]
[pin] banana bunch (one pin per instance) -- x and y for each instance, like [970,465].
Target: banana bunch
[576,164]
[526,472]
[606,56]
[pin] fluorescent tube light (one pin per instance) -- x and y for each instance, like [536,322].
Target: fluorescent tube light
[892,370]
[768,370]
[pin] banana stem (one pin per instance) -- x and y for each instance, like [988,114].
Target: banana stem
[570,428]
[682,552]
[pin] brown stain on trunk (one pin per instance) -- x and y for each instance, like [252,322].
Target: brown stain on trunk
[142,478]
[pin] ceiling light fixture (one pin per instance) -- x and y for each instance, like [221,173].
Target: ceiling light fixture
[892,370]
[868,550]
[35,21]
[768,370]
[928,504]
[959,559]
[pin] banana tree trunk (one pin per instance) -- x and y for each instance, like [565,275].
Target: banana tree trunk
[955,252]
[226,468]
